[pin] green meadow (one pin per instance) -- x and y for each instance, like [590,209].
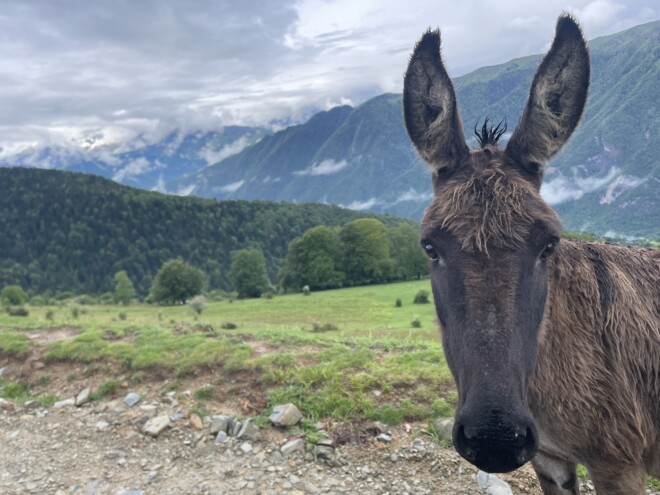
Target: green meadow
[346,354]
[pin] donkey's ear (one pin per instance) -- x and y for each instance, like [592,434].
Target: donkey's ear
[555,102]
[429,107]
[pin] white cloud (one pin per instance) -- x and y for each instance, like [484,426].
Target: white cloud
[412,195]
[564,189]
[231,187]
[185,190]
[618,186]
[364,205]
[136,167]
[214,156]
[326,167]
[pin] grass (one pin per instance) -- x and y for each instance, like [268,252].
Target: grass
[369,364]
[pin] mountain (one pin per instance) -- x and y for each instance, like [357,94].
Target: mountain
[605,180]
[65,231]
[142,164]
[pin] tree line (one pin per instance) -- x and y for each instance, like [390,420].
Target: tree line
[71,232]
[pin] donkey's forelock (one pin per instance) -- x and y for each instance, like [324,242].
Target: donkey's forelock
[494,206]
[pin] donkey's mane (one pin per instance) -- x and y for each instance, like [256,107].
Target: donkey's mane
[493,207]
[490,134]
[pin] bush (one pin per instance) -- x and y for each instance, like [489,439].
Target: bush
[61,296]
[75,312]
[325,327]
[85,300]
[398,303]
[422,297]
[198,304]
[122,316]
[50,315]
[38,301]
[306,291]
[416,323]
[13,295]
[18,312]
[268,294]
[229,326]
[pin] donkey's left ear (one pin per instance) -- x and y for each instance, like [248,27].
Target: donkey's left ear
[556,100]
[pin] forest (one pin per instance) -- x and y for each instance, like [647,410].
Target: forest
[65,231]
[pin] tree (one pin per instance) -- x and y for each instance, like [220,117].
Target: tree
[14,295]
[409,260]
[314,259]
[124,288]
[198,304]
[176,281]
[247,273]
[367,247]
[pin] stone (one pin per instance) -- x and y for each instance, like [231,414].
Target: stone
[82,397]
[31,405]
[233,428]
[102,425]
[130,492]
[418,445]
[219,423]
[221,437]
[384,437]
[38,365]
[324,451]
[2,371]
[5,405]
[297,445]
[445,427]
[492,484]
[246,447]
[248,430]
[132,399]
[285,415]
[155,426]
[196,421]
[64,403]
[177,416]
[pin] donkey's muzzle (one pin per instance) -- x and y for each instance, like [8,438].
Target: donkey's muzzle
[498,445]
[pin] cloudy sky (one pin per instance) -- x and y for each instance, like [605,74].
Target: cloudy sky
[81,71]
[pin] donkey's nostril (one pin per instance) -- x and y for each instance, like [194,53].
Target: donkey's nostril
[465,444]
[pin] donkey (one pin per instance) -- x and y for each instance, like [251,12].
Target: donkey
[554,346]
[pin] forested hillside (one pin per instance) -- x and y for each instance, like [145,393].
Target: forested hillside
[66,231]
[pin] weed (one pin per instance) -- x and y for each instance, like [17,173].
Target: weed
[204,393]
[416,322]
[108,388]
[44,380]
[398,303]
[422,297]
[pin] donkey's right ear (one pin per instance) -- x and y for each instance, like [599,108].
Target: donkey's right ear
[429,107]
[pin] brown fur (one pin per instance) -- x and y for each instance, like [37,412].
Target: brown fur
[592,365]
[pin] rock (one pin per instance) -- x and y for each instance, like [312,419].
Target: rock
[155,426]
[130,492]
[233,428]
[249,431]
[246,447]
[219,423]
[132,399]
[102,425]
[297,445]
[66,402]
[418,445]
[324,449]
[82,397]
[384,437]
[285,415]
[177,416]
[394,457]
[38,365]
[444,427]
[2,371]
[196,421]
[5,405]
[31,405]
[221,437]
[492,484]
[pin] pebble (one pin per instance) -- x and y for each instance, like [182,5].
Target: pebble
[82,397]
[384,437]
[285,415]
[196,421]
[64,403]
[132,399]
[246,447]
[221,437]
[492,484]
[102,425]
[155,426]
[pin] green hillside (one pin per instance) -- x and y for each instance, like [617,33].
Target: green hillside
[66,231]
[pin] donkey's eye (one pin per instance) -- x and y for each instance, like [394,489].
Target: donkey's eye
[548,249]
[431,252]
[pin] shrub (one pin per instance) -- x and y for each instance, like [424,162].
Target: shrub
[122,316]
[398,303]
[18,312]
[61,296]
[50,315]
[228,326]
[325,327]
[38,301]
[422,297]
[75,312]
[198,304]
[13,295]
[268,294]
[416,323]
[306,291]
[85,300]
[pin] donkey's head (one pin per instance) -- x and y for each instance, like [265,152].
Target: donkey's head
[489,235]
